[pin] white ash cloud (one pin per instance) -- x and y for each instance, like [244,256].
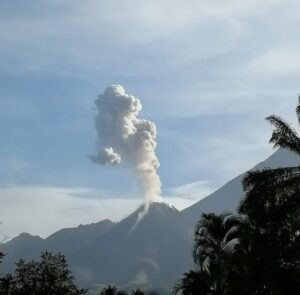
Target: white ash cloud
[124,138]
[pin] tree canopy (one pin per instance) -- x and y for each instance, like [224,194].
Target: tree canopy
[256,251]
[48,276]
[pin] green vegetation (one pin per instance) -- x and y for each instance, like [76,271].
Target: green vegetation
[256,251]
[112,290]
[48,276]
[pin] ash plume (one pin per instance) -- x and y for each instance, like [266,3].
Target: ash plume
[126,139]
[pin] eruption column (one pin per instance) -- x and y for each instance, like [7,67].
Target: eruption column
[124,138]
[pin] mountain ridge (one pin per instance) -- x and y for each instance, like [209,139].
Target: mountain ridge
[228,196]
[143,252]
[154,254]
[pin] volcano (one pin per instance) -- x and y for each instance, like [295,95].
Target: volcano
[148,252]
[152,251]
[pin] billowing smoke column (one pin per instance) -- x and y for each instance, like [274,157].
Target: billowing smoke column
[123,138]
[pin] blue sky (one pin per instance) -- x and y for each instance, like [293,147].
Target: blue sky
[207,73]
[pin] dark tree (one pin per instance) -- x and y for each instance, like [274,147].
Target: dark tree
[5,284]
[48,276]
[213,249]
[255,252]
[278,185]
[193,283]
[218,255]
[272,204]
[137,292]
[109,290]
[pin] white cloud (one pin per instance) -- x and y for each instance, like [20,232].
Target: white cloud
[275,63]
[213,47]
[184,31]
[194,191]
[186,195]
[44,210]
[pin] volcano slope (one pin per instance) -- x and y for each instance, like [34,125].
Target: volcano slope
[152,251]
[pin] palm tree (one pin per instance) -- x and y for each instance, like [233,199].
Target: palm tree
[193,283]
[283,136]
[214,246]
[272,194]
[239,265]
[222,250]
[272,205]
[258,250]
[109,290]
[137,292]
[238,242]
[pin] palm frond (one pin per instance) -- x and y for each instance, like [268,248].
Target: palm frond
[230,247]
[177,288]
[231,233]
[234,219]
[193,283]
[269,176]
[202,244]
[284,136]
[206,264]
[298,109]
[202,231]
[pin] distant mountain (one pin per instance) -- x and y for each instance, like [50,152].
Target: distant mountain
[227,198]
[151,252]
[28,247]
[24,246]
[70,239]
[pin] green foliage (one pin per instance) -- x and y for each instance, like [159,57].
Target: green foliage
[258,250]
[112,290]
[193,283]
[5,284]
[48,276]
[272,204]
[211,249]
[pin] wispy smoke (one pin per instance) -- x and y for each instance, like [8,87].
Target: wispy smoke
[123,138]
